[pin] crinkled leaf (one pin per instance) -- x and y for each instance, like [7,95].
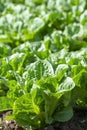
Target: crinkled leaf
[39,69]
[67,85]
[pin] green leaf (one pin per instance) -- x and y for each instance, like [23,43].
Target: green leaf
[64,115]
[73,30]
[50,84]
[5,103]
[61,71]
[28,109]
[5,50]
[3,86]
[67,85]
[83,17]
[50,107]
[37,25]
[39,69]
[16,61]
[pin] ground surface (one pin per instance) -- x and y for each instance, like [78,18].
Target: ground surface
[78,122]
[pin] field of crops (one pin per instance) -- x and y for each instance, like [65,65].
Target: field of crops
[43,60]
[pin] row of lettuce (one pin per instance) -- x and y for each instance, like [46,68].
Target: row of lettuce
[43,60]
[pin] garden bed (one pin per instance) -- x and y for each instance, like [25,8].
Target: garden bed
[43,64]
[78,122]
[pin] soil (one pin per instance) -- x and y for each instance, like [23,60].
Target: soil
[78,122]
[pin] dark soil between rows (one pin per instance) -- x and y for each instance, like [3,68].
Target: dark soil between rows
[78,122]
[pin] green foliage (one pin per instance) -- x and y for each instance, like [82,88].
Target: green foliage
[43,60]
